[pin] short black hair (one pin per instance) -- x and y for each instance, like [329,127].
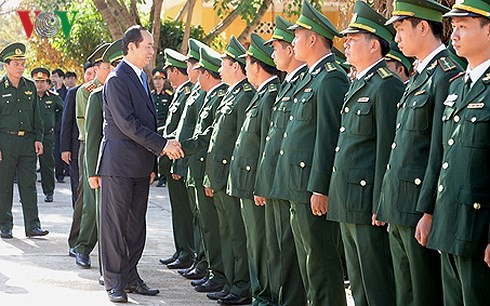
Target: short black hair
[242,65]
[213,74]
[436,27]
[70,74]
[267,68]
[59,72]
[385,46]
[483,21]
[87,65]
[132,35]
[182,70]
[398,65]
[192,60]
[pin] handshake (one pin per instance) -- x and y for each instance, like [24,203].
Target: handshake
[173,150]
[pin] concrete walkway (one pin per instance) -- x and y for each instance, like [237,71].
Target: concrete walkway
[40,272]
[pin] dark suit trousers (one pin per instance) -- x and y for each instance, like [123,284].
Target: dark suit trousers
[77,209]
[123,208]
[74,178]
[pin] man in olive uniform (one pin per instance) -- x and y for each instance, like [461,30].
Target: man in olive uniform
[50,105]
[284,278]
[399,63]
[418,130]
[363,148]
[21,134]
[461,220]
[87,237]
[162,95]
[306,155]
[176,69]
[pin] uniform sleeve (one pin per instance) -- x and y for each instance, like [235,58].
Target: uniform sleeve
[93,137]
[268,102]
[38,119]
[67,121]
[80,108]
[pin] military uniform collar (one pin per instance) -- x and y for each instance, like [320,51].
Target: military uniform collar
[179,88]
[6,82]
[317,63]
[476,73]
[426,61]
[361,74]
[290,76]
[264,84]
[213,89]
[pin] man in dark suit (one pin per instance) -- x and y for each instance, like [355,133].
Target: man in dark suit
[127,165]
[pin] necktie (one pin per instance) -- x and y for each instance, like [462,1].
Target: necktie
[467,86]
[143,81]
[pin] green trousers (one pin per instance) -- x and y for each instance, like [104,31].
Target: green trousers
[200,261]
[77,210]
[465,281]
[254,223]
[369,264]
[285,278]
[417,269]
[46,162]
[18,156]
[233,244]
[316,240]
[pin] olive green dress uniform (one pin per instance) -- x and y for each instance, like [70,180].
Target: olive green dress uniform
[418,131]
[20,126]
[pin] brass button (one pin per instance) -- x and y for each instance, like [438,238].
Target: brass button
[445,165]
[473,119]
[342,129]
[247,168]
[233,158]
[302,164]
[337,149]
[388,167]
[456,118]
[476,206]
[414,103]
[334,169]
[267,138]
[281,152]
[417,181]
[359,112]
[285,135]
[363,183]
[225,161]
[440,188]
[295,100]
[398,125]
[291,118]
[444,118]
[393,145]
[450,141]
[346,109]
[404,104]
[201,159]
[272,123]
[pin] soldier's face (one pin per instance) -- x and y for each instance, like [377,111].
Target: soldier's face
[300,44]
[408,37]
[471,39]
[226,71]
[141,55]
[89,74]
[15,68]
[356,45]
[158,82]
[191,72]
[103,72]
[252,70]
[42,86]
[282,55]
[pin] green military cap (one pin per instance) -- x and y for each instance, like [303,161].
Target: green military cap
[209,60]
[96,56]
[281,31]
[452,54]
[396,55]
[158,73]
[366,19]
[194,46]
[234,50]
[13,51]
[40,74]
[260,51]
[113,53]
[340,59]
[174,59]
[470,8]
[315,21]
[422,9]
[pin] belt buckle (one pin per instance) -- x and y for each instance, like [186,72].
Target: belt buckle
[21,133]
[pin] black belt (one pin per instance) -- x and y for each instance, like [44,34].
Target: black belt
[17,133]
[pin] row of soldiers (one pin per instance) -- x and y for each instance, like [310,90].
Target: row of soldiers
[285,176]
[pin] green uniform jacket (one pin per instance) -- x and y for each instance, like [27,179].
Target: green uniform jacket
[19,108]
[363,148]
[81,104]
[197,146]
[418,131]
[279,119]
[306,155]
[162,101]
[224,132]
[187,124]
[94,133]
[176,109]
[251,140]
[50,105]
[461,221]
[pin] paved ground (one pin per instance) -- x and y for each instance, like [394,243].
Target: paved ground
[40,272]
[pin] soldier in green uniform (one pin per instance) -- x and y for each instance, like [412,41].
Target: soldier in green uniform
[418,131]
[263,75]
[87,237]
[176,68]
[162,95]
[363,148]
[284,278]
[461,220]
[50,105]
[399,63]
[21,135]
[306,155]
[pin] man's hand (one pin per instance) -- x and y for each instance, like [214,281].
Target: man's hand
[38,148]
[423,228]
[176,177]
[173,150]
[94,182]
[153,176]
[487,255]
[1,158]
[259,201]
[319,204]
[375,221]
[209,192]
[66,157]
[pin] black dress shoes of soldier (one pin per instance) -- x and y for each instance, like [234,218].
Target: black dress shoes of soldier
[217,295]
[198,282]
[142,289]
[168,260]
[72,252]
[117,296]
[209,286]
[233,299]
[48,198]
[83,260]
[6,234]
[195,273]
[37,232]
[179,264]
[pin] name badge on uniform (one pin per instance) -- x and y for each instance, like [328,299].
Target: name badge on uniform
[287,98]
[7,95]
[309,89]
[420,92]
[363,100]
[476,105]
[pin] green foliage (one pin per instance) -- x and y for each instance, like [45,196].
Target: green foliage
[293,8]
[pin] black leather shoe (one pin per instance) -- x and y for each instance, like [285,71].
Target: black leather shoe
[101,280]
[6,234]
[37,232]
[179,264]
[168,260]
[198,282]
[233,299]
[117,296]
[143,289]
[72,252]
[185,271]
[217,295]
[209,286]
[83,260]
[195,273]
[48,199]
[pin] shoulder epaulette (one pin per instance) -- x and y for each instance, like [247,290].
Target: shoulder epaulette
[272,87]
[169,92]
[98,89]
[153,91]
[247,87]
[330,67]
[90,87]
[432,66]
[446,63]
[384,73]
[457,76]
[486,79]
[221,93]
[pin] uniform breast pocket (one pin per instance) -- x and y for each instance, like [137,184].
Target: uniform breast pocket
[7,106]
[476,128]
[362,119]
[419,114]
[473,215]
[282,115]
[252,121]
[306,107]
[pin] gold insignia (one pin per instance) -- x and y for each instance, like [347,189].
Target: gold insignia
[384,73]
[49,102]
[476,105]
[446,64]
[18,51]
[90,87]
[28,92]
[157,74]
[187,90]
[420,92]
[330,67]
[169,92]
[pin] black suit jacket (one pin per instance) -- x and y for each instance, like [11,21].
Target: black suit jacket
[69,129]
[131,142]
